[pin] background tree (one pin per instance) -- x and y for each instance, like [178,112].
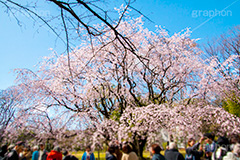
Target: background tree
[231,106]
[8,102]
[224,55]
[106,78]
[118,70]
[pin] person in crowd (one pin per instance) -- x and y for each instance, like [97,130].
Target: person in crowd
[55,154]
[88,155]
[128,154]
[118,152]
[222,148]
[35,153]
[110,154]
[156,149]
[235,154]
[210,145]
[26,154]
[11,147]
[14,153]
[236,150]
[150,151]
[3,151]
[67,156]
[42,152]
[172,153]
[233,139]
[193,151]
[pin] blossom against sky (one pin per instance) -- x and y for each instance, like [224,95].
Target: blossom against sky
[24,47]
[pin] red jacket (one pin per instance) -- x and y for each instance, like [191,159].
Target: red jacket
[54,155]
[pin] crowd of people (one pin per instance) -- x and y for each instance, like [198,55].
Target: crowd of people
[222,149]
[20,151]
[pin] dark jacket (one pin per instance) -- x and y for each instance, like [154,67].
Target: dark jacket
[44,155]
[194,151]
[173,154]
[158,157]
[109,156]
[13,155]
[70,157]
[3,150]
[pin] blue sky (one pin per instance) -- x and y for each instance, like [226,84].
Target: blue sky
[24,47]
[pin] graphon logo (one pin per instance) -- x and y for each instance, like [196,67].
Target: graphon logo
[211,13]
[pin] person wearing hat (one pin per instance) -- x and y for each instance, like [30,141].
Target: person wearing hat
[14,153]
[210,146]
[35,153]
